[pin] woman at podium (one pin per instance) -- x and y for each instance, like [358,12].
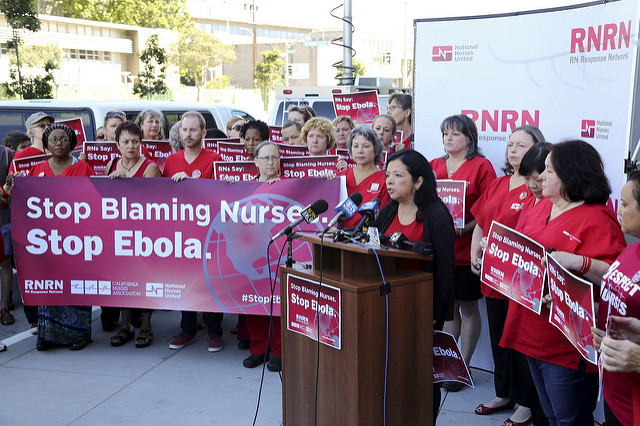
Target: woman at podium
[416,211]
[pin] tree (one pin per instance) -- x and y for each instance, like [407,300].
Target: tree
[196,51]
[359,68]
[36,87]
[144,13]
[20,15]
[151,80]
[269,73]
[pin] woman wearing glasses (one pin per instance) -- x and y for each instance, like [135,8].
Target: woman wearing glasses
[36,125]
[400,109]
[234,126]
[62,325]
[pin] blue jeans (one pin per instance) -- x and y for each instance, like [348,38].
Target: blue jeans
[568,397]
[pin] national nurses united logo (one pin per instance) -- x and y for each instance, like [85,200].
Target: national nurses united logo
[588,129]
[442,53]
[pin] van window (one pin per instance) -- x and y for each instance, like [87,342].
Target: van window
[14,118]
[324,109]
[245,115]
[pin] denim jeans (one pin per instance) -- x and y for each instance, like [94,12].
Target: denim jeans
[568,397]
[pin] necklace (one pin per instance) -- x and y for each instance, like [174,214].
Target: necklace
[452,170]
[129,168]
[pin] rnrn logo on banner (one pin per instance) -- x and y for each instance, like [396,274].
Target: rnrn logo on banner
[588,129]
[155,289]
[442,53]
[603,37]
[43,286]
[502,120]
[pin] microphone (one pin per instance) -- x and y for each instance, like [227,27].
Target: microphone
[345,209]
[399,240]
[309,214]
[369,212]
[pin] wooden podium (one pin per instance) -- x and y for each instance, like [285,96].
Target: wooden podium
[351,380]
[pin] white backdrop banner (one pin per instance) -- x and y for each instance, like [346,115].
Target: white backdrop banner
[569,71]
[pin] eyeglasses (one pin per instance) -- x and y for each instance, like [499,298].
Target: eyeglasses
[118,114]
[56,140]
[393,107]
[270,158]
[237,127]
[42,125]
[99,137]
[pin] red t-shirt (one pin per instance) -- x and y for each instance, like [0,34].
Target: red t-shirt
[504,206]
[406,143]
[414,232]
[589,230]
[201,167]
[79,168]
[620,296]
[373,186]
[143,167]
[479,173]
[27,152]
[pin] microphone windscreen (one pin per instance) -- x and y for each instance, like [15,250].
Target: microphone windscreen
[320,206]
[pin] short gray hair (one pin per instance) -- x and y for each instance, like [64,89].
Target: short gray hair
[369,134]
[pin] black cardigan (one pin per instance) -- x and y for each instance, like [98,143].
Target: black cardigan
[439,231]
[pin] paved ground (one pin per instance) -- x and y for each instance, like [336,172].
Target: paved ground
[104,385]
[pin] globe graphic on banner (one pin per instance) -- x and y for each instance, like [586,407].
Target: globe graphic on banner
[457,213]
[329,327]
[525,284]
[238,267]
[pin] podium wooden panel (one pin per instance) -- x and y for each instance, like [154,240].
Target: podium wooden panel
[351,380]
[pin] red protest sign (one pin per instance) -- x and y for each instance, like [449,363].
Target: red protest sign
[239,170]
[99,154]
[452,193]
[158,151]
[275,134]
[230,151]
[307,167]
[572,310]
[26,163]
[512,265]
[307,313]
[292,150]
[448,363]
[361,107]
[76,125]
[212,143]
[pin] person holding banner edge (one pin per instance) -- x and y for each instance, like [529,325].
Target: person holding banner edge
[464,161]
[416,211]
[62,325]
[503,202]
[573,219]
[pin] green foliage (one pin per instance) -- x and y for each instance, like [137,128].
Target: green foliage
[359,68]
[220,82]
[35,57]
[151,79]
[144,13]
[269,73]
[36,87]
[196,51]
[21,14]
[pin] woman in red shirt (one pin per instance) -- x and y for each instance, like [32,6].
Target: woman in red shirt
[503,202]
[574,220]
[464,161]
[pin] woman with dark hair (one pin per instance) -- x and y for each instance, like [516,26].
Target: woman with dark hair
[301,114]
[503,202]
[416,210]
[584,234]
[385,126]
[151,121]
[399,108]
[464,161]
[16,141]
[531,167]
[62,325]
[366,178]
[252,133]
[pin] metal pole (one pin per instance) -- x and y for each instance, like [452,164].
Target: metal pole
[347,75]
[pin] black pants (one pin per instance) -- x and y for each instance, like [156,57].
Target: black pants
[213,320]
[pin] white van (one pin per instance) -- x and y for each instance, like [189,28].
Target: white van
[14,114]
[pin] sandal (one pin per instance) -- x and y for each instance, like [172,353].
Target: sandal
[123,336]
[145,337]
[77,345]
[5,317]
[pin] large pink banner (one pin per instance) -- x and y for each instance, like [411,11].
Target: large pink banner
[312,308]
[361,107]
[512,265]
[572,310]
[195,245]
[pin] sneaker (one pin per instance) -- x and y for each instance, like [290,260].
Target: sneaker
[275,364]
[181,341]
[254,360]
[34,328]
[215,343]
